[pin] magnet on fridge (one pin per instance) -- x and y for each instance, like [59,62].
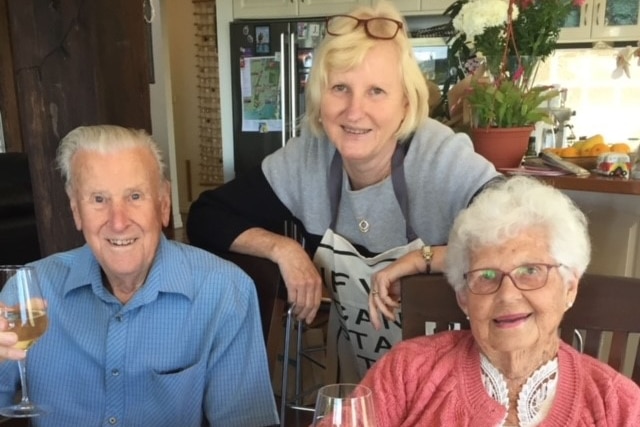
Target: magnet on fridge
[262,39]
[302,30]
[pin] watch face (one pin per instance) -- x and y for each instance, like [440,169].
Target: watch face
[427,254]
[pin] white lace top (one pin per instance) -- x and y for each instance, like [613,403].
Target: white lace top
[535,398]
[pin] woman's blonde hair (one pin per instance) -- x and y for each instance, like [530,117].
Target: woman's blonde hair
[347,51]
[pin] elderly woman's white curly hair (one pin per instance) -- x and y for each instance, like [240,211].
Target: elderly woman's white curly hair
[515,206]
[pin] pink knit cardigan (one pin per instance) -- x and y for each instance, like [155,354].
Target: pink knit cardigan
[436,381]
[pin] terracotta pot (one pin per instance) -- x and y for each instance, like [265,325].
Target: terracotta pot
[504,147]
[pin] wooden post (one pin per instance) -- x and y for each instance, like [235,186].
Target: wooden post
[76,62]
[8,102]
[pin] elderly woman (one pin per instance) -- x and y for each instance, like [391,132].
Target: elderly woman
[370,178]
[515,258]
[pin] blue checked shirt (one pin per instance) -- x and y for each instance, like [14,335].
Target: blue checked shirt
[185,351]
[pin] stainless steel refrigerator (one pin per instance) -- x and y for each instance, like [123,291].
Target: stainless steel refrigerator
[270,63]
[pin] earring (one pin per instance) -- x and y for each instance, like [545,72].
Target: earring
[569,304]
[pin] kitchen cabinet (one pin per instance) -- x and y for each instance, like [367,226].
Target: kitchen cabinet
[607,20]
[414,7]
[268,9]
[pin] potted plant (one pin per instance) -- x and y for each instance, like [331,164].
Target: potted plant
[503,117]
[506,104]
[497,47]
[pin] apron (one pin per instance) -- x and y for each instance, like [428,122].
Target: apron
[353,345]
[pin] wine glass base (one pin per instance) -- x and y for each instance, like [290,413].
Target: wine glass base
[20,411]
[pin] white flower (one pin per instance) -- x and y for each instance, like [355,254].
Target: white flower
[478,15]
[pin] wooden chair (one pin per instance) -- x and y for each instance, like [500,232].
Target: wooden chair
[429,298]
[603,322]
[273,310]
[607,314]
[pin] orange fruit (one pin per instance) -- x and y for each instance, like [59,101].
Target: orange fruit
[553,150]
[620,147]
[569,152]
[598,149]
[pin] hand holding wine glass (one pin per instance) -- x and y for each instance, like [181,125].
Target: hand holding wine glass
[344,405]
[24,310]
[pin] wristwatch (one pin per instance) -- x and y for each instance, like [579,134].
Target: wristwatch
[427,255]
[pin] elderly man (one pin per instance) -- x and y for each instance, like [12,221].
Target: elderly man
[143,331]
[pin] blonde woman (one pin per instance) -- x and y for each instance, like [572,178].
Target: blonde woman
[369,179]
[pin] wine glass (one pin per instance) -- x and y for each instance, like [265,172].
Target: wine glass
[22,306]
[344,405]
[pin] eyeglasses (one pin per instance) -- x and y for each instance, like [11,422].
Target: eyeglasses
[527,277]
[376,28]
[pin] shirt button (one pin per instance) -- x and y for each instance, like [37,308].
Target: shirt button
[113,420]
[115,372]
[119,318]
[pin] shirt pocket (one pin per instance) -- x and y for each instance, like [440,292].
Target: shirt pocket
[178,394]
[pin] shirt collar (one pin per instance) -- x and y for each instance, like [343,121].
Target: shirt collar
[169,273]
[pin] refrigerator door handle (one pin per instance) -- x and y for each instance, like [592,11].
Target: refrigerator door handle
[292,85]
[283,91]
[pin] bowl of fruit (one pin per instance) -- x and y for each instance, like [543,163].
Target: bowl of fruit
[585,152]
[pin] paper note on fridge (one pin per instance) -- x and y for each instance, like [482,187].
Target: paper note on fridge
[260,89]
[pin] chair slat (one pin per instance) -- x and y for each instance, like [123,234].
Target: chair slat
[617,349]
[591,343]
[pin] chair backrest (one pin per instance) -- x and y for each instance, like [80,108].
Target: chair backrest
[429,298]
[607,314]
[604,321]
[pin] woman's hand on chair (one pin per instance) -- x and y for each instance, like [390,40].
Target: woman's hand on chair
[384,297]
[303,282]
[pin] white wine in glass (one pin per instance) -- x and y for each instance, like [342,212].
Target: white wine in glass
[344,405]
[24,309]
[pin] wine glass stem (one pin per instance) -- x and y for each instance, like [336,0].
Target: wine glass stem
[22,366]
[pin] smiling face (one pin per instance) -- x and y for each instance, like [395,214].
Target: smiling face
[362,108]
[120,204]
[511,320]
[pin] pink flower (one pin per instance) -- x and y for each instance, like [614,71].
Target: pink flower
[518,74]
[579,2]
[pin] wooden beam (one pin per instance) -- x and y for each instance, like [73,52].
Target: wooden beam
[8,101]
[76,62]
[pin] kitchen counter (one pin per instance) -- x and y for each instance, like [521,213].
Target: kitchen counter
[595,183]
